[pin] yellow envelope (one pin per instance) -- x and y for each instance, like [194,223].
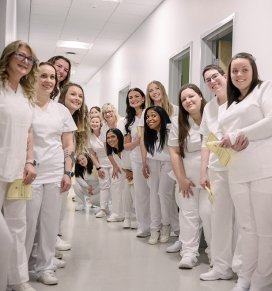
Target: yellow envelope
[211,196]
[18,190]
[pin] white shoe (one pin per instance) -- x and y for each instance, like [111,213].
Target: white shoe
[133,224]
[165,233]
[126,223]
[239,288]
[58,254]
[79,207]
[22,287]
[58,263]
[48,278]
[142,234]
[115,218]
[62,245]
[101,213]
[175,247]
[213,275]
[154,237]
[187,262]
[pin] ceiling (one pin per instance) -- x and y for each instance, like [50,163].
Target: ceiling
[103,23]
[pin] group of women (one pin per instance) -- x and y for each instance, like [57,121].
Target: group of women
[154,170]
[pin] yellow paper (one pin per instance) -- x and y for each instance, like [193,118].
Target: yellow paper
[223,154]
[18,190]
[211,196]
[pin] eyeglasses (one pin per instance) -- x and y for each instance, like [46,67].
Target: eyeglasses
[213,77]
[21,57]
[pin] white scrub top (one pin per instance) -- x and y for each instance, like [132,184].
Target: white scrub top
[135,154]
[15,121]
[48,127]
[98,146]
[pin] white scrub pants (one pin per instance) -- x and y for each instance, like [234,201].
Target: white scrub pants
[224,229]
[163,210]
[15,216]
[128,200]
[253,201]
[5,241]
[105,191]
[82,194]
[43,213]
[63,208]
[194,212]
[142,197]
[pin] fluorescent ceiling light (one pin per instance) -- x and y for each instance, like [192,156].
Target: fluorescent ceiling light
[74,44]
[118,1]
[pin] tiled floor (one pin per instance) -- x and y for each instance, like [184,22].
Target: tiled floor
[104,257]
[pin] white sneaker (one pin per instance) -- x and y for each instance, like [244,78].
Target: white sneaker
[175,247]
[239,288]
[154,237]
[165,233]
[187,262]
[115,218]
[58,263]
[48,278]
[101,213]
[213,275]
[142,234]
[62,245]
[79,207]
[126,223]
[133,223]
[58,254]
[22,287]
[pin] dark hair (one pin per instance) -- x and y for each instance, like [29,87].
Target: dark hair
[95,107]
[131,113]
[183,117]
[66,80]
[79,170]
[120,138]
[151,135]
[232,91]
[55,91]
[212,67]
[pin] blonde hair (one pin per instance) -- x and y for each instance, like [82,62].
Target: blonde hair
[106,107]
[28,81]
[166,105]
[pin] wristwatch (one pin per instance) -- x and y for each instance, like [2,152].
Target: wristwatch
[31,162]
[68,173]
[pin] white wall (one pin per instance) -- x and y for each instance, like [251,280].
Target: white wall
[145,56]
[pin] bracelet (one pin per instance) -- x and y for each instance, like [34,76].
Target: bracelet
[98,168]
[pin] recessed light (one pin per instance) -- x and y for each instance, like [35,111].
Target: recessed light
[74,44]
[70,53]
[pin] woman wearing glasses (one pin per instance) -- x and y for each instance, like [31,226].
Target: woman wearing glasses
[17,80]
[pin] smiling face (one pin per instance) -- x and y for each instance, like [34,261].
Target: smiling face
[82,160]
[112,140]
[135,99]
[94,113]
[95,123]
[62,67]
[241,74]
[153,120]
[216,82]
[155,93]
[19,63]
[73,98]
[109,116]
[190,101]
[46,80]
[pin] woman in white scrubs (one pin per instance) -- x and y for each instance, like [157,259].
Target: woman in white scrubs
[115,148]
[18,70]
[135,109]
[86,186]
[184,147]
[160,183]
[249,112]
[53,128]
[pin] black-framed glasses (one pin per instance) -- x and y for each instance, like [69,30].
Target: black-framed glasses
[21,57]
[213,77]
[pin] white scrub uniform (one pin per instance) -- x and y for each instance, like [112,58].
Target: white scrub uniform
[43,210]
[142,195]
[194,212]
[116,183]
[250,178]
[128,193]
[223,241]
[15,121]
[81,188]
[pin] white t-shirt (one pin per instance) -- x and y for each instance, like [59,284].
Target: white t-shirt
[48,127]
[120,126]
[252,117]
[98,146]
[15,121]
[192,158]
[209,124]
